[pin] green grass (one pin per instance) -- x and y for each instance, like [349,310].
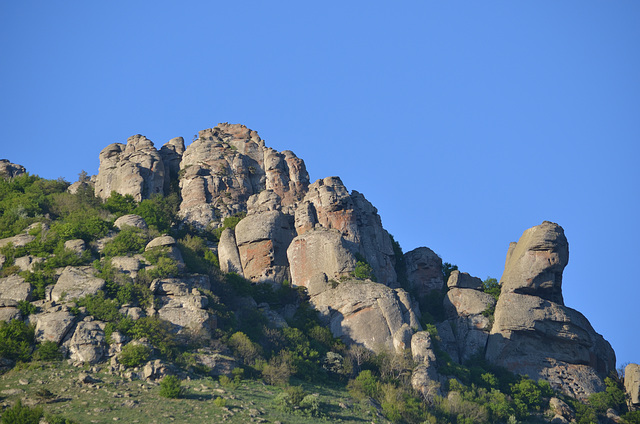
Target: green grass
[114,399]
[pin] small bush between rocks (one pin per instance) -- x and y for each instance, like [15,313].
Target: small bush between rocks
[171,387]
[134,355]
[48,351]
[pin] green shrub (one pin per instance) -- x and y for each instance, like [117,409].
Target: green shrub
[220,402]
[363,270]
[365,385]
[279,369]
[128,240]
[16,340]
[244,348]
[47,351]
[290,398]
[26,308]
[19,414]
[632,417]
[171,387]
[119,204]
[134,355]
[160,213]
[491,287]
[101,307]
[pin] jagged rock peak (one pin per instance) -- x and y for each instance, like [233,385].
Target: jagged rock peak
[10,170]
[227,164]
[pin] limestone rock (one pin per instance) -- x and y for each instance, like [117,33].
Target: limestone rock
[79,186]
[465,302]
[9,310]
[10,170]
[135,168]
[561,410]
[329,205]
[534,265]
[632,385]
[366,313]
[425,380]
[19,240]
[76,245]
[534,333]
[424,270]
[54,324]
[171,154]
[229,163]
[463,280]
[15,288]
[162,241]
[131,220]
[320,252]
[228,253]
[27,263]
[76,282]
[156,370]
[181,303]
[422,348]
[129,265]
[262,240]
[87,345]
[402,338]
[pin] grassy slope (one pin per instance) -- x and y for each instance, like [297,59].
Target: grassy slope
[114,399]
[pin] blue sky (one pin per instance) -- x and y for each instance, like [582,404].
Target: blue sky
[463,122]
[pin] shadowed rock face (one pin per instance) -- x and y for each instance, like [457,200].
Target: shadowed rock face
[10,170]
[534,333]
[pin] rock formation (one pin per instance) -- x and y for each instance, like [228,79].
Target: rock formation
[135,168]
[534,333]
[229,163]
[10,170]
[632,385]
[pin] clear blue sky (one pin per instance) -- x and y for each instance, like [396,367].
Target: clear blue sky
[464,122]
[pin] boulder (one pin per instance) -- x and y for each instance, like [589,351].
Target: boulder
[632,386]
[465,302]
[228,253]
[129,265]
[19,240]
[366,313]
[10,170]
[28,263]
[424,271]
[15,288]
[561,410]
[87,345]
[533,332]
[162,241]
[135,168]
[79,186]
[54,324]
[156,370]
[77,245]
[131,220]
[422,348]
[181,303]
[463,280]
[262,240]
[76,282]
[318,253]
[9,310]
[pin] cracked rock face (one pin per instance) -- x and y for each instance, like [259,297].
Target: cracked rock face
[534,333]
[135,168]
[229,163]
[10,170]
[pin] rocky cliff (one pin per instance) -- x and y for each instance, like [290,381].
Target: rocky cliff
[318,236]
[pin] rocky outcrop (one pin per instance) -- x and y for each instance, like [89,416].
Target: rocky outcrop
[534,333]
[9,310]
[135,168]
[632,386]
[15,288]
[181,303]
[10,170]
[76,282]
[366,313]
[262,240]
[229,163]
[424,271]
[171,154]
[228,253]
[328,204]
[87,345]
[130,220]
[53,324]
[319,253]
[424,379]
